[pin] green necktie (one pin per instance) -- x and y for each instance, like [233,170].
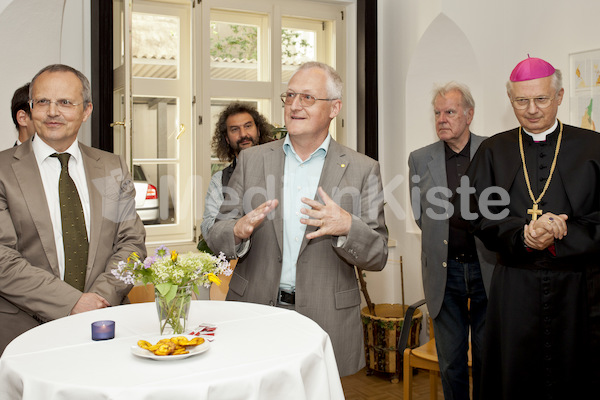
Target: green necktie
[75,239]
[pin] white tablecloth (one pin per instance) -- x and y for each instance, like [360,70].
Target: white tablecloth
[259,352]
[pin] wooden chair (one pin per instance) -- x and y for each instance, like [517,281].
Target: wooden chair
[220,292]
[423,357]
[142,294]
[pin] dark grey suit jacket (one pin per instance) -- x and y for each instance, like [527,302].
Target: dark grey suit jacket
[326,285]
[429,164]
[31,290]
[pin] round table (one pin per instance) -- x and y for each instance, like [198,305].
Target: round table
[258,352]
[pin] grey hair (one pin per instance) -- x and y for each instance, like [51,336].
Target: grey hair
[468,102]
[556,82]
[86,91]
[334,81]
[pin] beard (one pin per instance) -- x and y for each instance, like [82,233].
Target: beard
[240,146]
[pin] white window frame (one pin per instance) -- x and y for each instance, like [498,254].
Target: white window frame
[182,228]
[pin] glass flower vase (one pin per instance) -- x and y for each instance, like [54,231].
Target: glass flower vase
[173,314]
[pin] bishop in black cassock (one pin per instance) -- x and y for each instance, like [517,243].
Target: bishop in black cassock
[543,322]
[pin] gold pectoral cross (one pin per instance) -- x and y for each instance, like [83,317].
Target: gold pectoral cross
[534,211]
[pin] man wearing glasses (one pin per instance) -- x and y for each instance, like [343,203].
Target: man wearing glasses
[305,211]
[67,213]
[542,329]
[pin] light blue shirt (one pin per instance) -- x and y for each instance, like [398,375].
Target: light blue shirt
[300,179]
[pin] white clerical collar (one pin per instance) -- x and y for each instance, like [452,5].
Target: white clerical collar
[541,137]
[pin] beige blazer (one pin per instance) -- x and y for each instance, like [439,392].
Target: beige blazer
[326,285]
[31,290]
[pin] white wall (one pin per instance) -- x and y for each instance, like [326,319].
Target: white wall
[36,33]
[481,43]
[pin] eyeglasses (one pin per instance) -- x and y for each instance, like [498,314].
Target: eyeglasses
[522,103]
[63,105]
[306,100]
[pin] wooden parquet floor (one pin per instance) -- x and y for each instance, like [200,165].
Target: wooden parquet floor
[378,387]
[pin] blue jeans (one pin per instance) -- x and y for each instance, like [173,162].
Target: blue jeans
[451,329]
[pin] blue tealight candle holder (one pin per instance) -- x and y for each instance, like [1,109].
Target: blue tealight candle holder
[103,330]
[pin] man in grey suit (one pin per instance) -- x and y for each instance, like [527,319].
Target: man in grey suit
[34,263]
[456,267]
[301,212]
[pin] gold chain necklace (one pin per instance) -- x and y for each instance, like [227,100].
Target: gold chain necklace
[535,211]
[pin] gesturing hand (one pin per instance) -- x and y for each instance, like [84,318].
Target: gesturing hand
[329,218]
[244,227]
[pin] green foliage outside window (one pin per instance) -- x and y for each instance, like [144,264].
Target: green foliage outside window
[241,42]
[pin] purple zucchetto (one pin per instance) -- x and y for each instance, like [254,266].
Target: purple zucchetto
[531,68]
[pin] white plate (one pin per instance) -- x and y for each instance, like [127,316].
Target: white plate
[193,350]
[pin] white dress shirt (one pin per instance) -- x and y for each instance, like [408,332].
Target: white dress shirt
[50,172]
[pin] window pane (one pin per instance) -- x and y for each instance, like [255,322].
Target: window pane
[155,45]
[239,46]
[297,46]
[155,127]
[155,192]
[233,51]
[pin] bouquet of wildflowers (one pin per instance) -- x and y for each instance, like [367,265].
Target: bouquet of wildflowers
[170,272]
